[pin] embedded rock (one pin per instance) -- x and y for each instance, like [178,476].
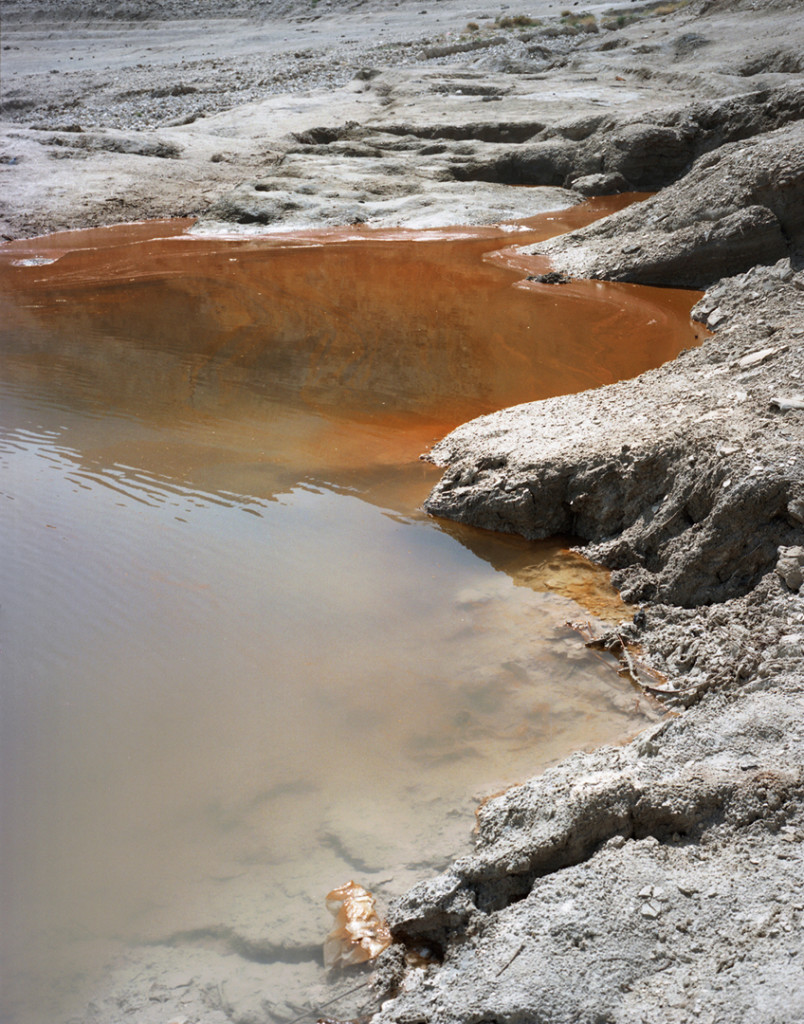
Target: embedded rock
[600,184]
[791,566]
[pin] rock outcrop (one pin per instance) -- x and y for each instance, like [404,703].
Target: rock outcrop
[741,205]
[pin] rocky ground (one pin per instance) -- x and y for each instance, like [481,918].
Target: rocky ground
[659,881]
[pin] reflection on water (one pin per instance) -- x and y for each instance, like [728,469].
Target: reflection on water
[239,666]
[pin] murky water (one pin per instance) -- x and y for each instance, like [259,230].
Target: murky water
[239,666]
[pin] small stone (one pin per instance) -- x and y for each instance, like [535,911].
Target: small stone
[553,277]
[795,509]
[787,403]
[716,317]
[758,357]
[600,184]
[650,910]
[790,566]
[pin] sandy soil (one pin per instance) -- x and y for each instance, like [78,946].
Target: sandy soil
[660,881]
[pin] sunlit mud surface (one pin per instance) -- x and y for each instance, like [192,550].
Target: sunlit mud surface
[239,666]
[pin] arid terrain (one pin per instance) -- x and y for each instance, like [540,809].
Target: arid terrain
[660,881]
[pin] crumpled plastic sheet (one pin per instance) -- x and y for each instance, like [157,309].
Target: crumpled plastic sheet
[358,933]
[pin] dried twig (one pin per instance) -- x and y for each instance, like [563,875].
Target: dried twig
[505,966]
[310,1014]
[615,644]
[625,655]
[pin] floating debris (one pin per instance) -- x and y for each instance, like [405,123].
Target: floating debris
[552,277]
[631,665]
[359,934]
[34,261]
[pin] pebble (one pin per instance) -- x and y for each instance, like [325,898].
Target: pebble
[786,404]
[756,358]
[790,567]
[717,316]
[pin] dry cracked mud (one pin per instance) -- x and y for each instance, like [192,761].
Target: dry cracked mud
[656,881]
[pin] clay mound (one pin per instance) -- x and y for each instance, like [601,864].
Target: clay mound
[739,205]
[783,61]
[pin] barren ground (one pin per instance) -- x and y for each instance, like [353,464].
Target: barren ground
[662,880]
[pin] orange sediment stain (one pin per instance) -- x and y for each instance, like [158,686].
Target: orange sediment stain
[377,342]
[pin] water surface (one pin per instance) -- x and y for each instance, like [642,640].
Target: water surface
[240,667]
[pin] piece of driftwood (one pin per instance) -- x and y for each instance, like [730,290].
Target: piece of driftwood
[631,665]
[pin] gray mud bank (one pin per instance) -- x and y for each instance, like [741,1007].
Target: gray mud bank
[660,881]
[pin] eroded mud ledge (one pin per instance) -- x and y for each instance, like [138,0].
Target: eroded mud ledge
[660,881]
[662,873]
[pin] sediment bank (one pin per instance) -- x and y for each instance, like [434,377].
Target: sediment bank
[654,881]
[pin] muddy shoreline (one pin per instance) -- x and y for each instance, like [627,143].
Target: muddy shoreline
[659,881]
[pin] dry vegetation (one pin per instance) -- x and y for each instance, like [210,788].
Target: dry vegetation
[517,21]
[572,22]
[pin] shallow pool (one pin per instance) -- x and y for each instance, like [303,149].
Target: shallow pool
[240,667]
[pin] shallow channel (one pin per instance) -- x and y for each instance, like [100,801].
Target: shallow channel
[240,667]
